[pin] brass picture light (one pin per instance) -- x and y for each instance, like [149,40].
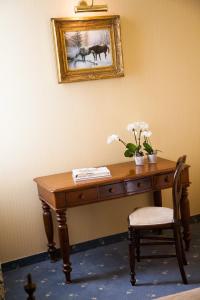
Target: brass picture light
[83,6]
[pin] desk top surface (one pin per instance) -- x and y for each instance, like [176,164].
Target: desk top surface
[119,172]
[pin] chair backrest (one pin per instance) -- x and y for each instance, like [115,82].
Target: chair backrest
[178,186]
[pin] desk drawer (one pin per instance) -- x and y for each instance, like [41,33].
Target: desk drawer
[164,181]
[81,197]
[111,190]
[139,185]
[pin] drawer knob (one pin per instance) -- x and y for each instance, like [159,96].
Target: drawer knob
[166,179]
[81,196]
[110,190]
[139,184]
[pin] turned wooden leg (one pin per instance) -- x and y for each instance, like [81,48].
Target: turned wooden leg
[64,243]
[30,288]
[157,197]
[48,225]
[132,247]
[137,235]
[185,218]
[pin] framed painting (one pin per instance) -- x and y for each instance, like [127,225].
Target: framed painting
[88,48]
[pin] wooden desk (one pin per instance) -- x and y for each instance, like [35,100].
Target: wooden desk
[59,192]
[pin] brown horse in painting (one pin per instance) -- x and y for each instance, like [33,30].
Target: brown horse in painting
[98,49]
[83,52]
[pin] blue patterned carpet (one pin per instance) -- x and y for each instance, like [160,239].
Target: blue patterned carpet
[103,274]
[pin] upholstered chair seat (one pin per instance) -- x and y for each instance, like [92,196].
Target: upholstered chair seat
[151,216]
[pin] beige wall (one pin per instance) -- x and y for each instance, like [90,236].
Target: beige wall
[47,127]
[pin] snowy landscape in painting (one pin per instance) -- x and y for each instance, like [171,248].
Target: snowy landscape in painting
[88,49]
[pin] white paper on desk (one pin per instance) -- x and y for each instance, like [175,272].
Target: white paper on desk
[90,173]
[90,177]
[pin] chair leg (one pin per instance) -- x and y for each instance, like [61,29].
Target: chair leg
[132,246]
[179,253]
[182,247]
[137,232]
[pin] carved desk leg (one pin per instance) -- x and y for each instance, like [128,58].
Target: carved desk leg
[48,225]
[185,218]
[64,242]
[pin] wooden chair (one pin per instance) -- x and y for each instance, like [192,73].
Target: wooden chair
[159,218]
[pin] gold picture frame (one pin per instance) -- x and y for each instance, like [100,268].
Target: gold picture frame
[88,48]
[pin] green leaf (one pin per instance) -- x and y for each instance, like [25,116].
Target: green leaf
[148,148]
[128,153]
[130,150]
[131,147]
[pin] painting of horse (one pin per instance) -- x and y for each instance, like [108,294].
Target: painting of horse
[87,49]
